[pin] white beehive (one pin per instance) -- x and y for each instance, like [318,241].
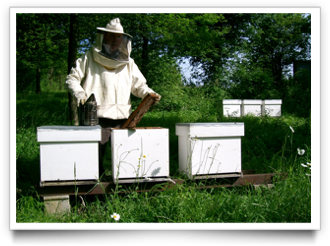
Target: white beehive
[252,106]
[209,148]
[272,107]
[232,107]
[69,152]
[140,153]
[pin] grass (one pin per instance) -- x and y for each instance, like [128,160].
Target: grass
[268,146]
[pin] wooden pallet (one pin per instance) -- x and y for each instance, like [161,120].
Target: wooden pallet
[69,188]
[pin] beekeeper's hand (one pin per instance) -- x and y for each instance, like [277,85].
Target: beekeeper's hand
[81,97]
[156,96]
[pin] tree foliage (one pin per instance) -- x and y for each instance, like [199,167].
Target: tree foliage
[272,43]
[41,44]
[277,40]
[246,55]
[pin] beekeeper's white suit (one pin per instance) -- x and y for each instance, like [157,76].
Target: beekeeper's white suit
[111,76]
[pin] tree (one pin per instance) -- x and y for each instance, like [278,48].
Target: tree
[272,42]
[207,40]
[228,31]
[275,41]
[72,56]
[30,43]
[40,44]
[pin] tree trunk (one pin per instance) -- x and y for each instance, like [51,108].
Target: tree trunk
[59,81]
[145,57]
[277,71]
[38,88]
[73,40]
[51,72]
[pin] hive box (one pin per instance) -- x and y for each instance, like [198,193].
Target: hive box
[272,107]
[232,107]
[140,153]
[252,106]
[210,149]
[69,152]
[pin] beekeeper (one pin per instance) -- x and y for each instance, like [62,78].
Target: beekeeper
[108,71]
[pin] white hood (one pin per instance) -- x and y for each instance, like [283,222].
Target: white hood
[107,62]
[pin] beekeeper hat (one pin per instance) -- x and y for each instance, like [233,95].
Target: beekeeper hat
[114,26]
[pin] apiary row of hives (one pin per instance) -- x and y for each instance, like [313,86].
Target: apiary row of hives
[255,107]
[205,150]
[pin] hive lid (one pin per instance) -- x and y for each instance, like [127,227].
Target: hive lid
[220,129]
[211,124]
[67,128]
[252,101]
[272,101]
[68,133]
[231,101]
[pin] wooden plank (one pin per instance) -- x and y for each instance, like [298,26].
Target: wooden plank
[141,180]
[105,188]
[254,179]
[246,180]
[213,176]
[67,183]
[110,187]
[137,115]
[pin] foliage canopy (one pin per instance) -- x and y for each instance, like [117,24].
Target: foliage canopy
[246,55]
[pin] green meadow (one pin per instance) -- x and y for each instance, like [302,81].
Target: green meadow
[268,146]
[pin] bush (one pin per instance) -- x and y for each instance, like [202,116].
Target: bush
[298,94]
[164,77]
[253,83]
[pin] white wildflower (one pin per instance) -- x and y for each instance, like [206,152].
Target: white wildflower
[291,129]
[309,164]
[301,151]
[115,216]
[304,165]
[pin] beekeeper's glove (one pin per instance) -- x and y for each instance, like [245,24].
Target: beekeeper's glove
[81,97]
[156,96]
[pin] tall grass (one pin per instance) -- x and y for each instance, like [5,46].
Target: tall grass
[268,145]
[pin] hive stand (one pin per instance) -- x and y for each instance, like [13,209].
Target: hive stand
[56,196]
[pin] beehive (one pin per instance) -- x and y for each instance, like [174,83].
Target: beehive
[140,153]
[210,149]
[252,107]
[69,152]
[232,107]
[272,107]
